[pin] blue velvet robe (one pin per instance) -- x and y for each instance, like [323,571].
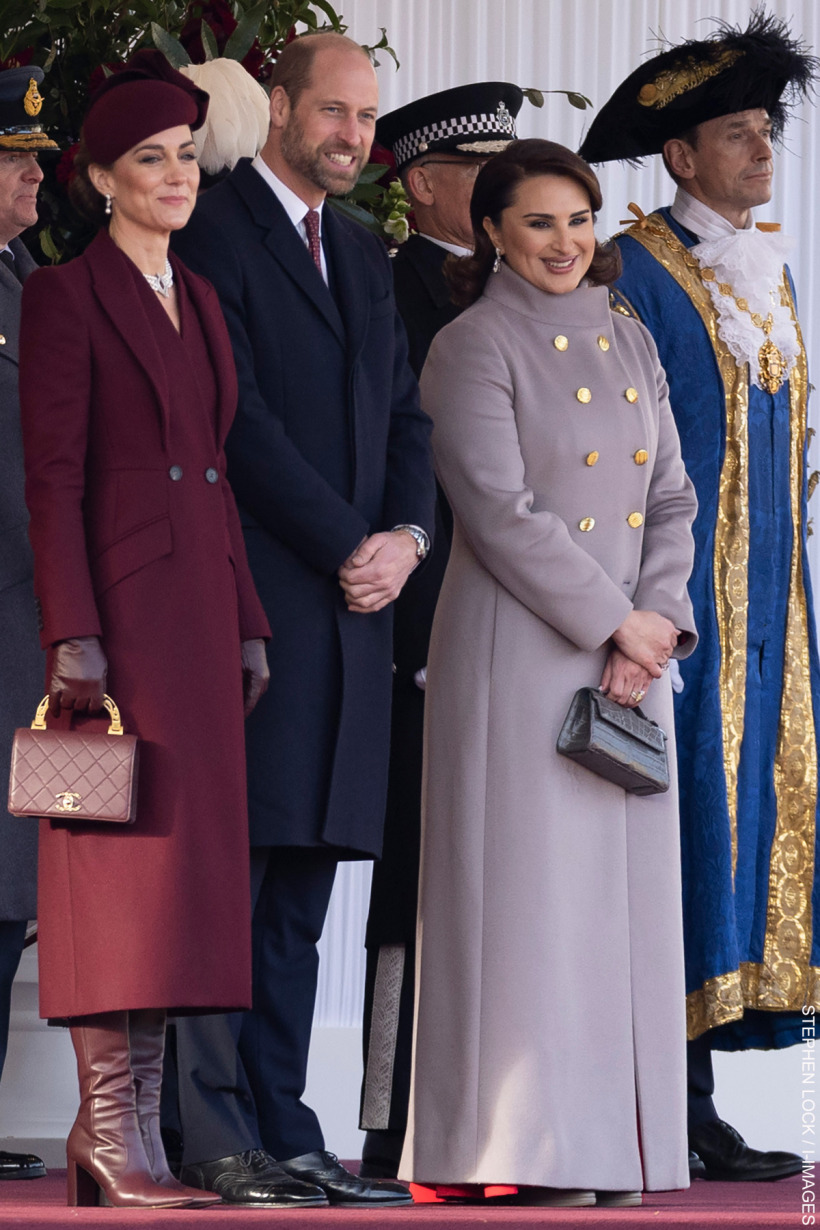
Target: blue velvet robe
[746,720]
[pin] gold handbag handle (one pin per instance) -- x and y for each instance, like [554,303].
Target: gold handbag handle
[115,728]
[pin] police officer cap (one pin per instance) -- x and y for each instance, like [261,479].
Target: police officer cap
[20,105]
[473,120]
[733,70]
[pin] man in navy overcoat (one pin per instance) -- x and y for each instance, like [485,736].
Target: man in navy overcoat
[329,460]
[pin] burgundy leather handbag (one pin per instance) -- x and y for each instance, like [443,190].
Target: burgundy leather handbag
[74,775]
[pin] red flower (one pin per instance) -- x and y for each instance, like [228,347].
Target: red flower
[380,153]
[64,170]
[19,60]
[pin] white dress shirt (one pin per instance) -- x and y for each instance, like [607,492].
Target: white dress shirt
[293,205]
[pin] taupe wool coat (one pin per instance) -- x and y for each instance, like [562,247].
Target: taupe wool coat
[550,1034]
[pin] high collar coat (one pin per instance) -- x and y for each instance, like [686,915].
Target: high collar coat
[328,446]
[136,539]
[549,897]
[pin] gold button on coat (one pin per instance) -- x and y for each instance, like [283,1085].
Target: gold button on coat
[603,342]
[591,458]
[584,395]
[641,457]
[560,342]
[635,520]
[2,340]
[631,394]
[586,524]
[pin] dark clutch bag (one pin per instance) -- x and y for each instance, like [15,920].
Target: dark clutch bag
[622,745]
[74,775]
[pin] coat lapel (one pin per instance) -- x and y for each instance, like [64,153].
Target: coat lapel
[217,342]
[114,288]
[282,240]
[341,252]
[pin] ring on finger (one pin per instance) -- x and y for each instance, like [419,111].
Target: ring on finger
[638,695]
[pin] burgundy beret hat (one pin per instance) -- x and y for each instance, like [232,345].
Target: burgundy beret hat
[145,97]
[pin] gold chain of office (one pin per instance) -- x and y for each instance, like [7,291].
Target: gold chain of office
[771,360]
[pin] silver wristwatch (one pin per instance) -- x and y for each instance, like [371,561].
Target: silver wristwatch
[422,541]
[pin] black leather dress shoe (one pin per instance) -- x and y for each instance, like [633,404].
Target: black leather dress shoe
[697,1170]
[343,1188]
[21,1166]
[728,1158]
[253,1180]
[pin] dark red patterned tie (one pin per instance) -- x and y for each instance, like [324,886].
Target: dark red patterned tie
[312,229]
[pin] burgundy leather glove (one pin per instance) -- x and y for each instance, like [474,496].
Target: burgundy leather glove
[78,674]
[255,673]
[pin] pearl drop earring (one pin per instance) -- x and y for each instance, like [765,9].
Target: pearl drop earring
[108,204]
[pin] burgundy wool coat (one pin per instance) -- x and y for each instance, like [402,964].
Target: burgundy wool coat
[136,540]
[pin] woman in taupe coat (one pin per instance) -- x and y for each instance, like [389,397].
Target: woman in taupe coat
[550,1022]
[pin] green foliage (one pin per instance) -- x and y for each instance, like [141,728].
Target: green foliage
[573,97]
[77,42]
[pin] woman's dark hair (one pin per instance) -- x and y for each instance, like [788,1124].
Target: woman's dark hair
[88,202]
[494,191]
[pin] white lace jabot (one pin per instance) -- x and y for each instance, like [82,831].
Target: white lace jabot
[751,262]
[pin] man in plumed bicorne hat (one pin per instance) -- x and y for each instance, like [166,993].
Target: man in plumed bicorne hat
[714,291]
[439,144]
[22,668]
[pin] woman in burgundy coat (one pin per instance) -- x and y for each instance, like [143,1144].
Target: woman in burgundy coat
[127,391]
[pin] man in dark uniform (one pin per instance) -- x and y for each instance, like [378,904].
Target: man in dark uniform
[22,669]
[440,144]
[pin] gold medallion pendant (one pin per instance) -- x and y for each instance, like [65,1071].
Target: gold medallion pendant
[772,365]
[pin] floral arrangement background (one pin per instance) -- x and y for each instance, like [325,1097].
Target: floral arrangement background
[79,42]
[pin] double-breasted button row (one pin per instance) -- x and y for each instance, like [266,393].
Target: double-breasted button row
[640,457]
[634,521]
[211,475]
[560,342]
[584,395]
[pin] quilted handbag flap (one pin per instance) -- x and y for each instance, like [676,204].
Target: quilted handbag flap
[74,775]
[632,721]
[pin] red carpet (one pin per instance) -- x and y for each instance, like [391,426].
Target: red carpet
[40,1203]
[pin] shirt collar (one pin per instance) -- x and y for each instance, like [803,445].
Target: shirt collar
[455,248]
[700,219]
[292,204]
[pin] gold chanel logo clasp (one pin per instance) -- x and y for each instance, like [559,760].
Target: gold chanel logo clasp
[68,801]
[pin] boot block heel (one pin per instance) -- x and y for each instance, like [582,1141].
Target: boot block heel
[83,1189]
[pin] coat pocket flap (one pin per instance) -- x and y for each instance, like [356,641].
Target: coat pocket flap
[141,547]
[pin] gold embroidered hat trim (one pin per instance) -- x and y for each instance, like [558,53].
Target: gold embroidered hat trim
[688,75]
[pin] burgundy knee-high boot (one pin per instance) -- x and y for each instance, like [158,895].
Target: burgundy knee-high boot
[106,1156]
[146,1036]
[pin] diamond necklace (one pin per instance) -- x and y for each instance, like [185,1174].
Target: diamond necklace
[163,282]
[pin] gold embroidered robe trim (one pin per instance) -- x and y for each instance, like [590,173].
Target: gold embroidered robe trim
[784,984]
[725,998]
[731,549]
[784,980]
